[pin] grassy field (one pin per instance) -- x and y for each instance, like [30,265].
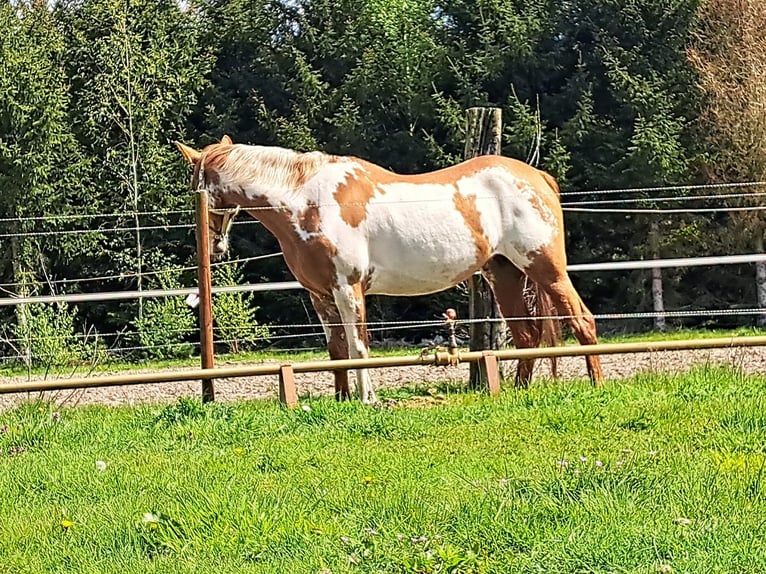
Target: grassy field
[654,474]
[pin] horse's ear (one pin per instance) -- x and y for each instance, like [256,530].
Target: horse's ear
[226,140]
[191,155]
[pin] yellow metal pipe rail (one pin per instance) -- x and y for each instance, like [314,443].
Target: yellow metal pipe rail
[438,358]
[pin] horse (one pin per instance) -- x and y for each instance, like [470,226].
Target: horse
[350,228]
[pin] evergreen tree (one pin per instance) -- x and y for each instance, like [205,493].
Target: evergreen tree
[40,162]
[136,69]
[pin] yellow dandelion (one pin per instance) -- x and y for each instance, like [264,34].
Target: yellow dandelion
[239,450]
[66,524]
[367,479]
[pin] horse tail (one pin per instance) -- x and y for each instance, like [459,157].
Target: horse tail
[551,181]
[550,324]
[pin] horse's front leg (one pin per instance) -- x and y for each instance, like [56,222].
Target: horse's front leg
[336,340]
[349,300]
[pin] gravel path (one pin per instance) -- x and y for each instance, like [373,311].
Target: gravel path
[750,360]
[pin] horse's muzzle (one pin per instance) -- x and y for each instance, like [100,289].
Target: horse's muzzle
[218,249]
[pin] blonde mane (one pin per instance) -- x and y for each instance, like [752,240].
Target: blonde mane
[267,167]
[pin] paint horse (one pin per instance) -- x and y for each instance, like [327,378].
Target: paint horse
[348,228]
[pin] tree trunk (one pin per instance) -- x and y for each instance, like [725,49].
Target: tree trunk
[760,279]
[657,298]
[483,137]
[659,305]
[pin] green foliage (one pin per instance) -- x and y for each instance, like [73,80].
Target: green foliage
[31,426]
[135,71]
[47,335]
[527,138]
[188,410]
[165,324]
[234,314]
[164,327]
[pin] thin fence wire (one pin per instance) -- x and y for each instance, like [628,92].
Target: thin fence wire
[671,210]
[316,329]
[122,276]
[676,198]
[91,216]
[76,216]
[98,230]
[294,285]
[565,207]
[663,188]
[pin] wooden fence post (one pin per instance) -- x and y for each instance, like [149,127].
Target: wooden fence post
[288,396]
[205,287]
[483,137]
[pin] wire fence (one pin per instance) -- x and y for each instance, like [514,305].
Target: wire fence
[310,331]
[315,331]
[582,206]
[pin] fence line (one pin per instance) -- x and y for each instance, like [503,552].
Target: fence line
[291,285]
[75,216]
[665,188]
[663,263]
[696,210]
[675,198]
[150,272]
[145,294]
[437,358]
[688,187]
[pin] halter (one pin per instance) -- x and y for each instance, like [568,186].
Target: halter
[228,214]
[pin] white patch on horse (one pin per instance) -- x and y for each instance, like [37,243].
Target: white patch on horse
[351,314]
[416,254]
[322,187]
[511,209]
[271,179]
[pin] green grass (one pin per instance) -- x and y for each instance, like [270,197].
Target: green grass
[670,477]
[678,334]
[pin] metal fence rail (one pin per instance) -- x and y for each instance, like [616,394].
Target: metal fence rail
[292,285]
[436,358]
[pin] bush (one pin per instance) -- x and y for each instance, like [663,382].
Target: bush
[166,324]
[47,335]
[234,314]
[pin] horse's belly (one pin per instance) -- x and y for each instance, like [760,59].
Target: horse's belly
[415,270]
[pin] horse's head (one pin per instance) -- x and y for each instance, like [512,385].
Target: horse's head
[219,224]
[220,218]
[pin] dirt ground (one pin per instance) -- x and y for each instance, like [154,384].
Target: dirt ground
[750,360]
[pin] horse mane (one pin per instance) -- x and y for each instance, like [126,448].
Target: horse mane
[269,167]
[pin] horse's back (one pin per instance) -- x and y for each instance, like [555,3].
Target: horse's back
[429,231]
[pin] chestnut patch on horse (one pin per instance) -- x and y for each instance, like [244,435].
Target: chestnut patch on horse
[352,196]
[309,219]
[466,205]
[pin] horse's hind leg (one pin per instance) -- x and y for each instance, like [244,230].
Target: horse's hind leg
[336,340]
[572,310]
[349,300]
[508,283]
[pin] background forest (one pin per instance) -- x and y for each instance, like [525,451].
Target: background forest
[604,94]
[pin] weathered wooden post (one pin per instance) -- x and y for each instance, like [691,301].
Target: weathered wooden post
[484,137]
[205,288]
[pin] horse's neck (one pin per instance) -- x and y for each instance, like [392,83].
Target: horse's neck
[273,176]
[269,184]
